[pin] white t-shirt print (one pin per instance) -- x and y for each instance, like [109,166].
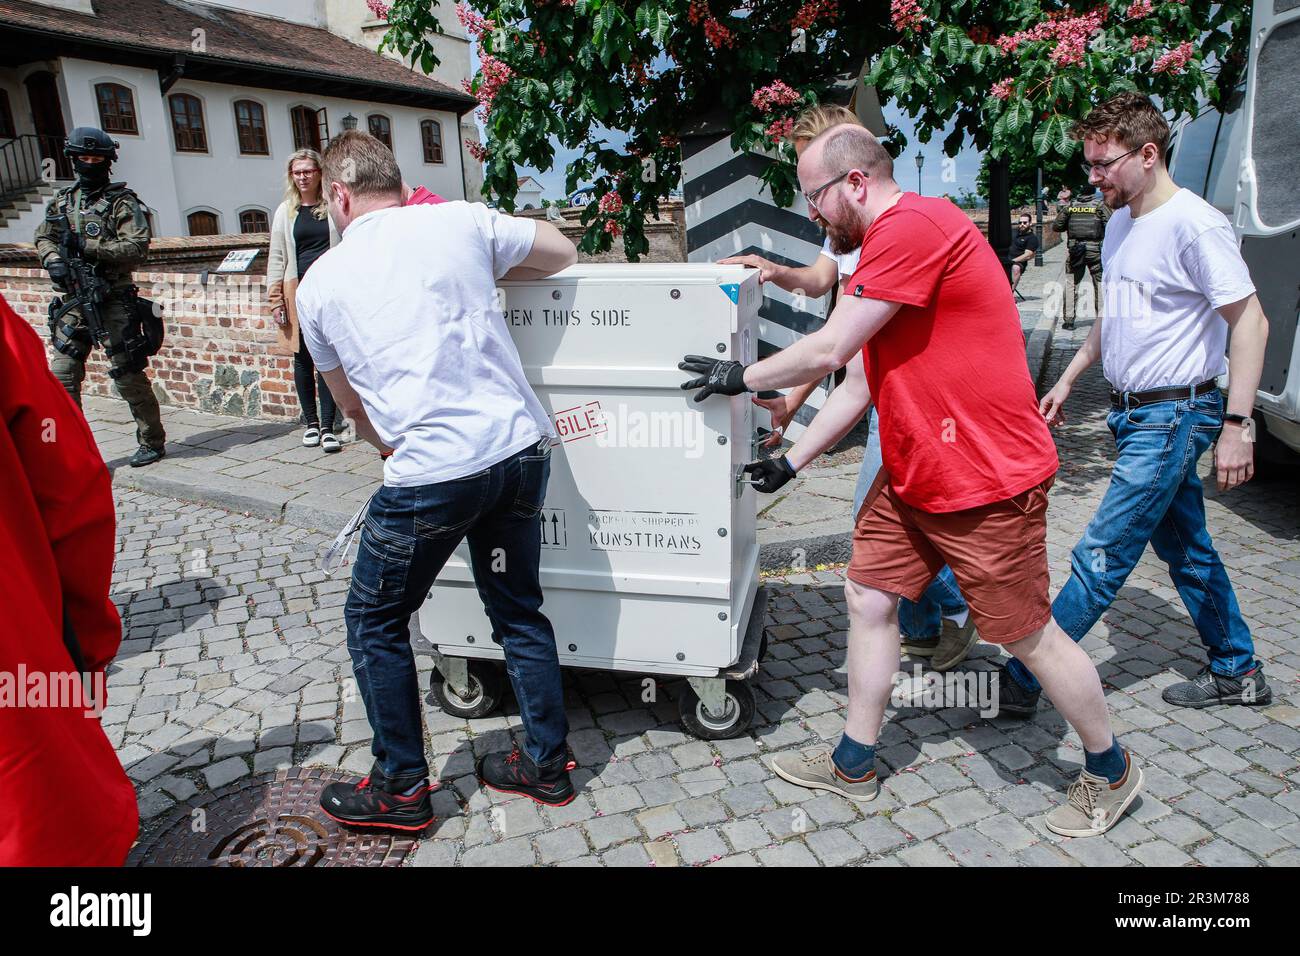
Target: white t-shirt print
[406,304]
[1164,276]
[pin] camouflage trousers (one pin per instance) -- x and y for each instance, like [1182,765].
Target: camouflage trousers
[1076,269]
[133,387]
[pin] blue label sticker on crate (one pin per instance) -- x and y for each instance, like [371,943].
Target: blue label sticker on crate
[732,289]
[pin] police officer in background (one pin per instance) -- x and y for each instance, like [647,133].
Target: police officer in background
[1084,224]
[108,231]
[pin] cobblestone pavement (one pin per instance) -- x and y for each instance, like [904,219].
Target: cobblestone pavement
[234,664]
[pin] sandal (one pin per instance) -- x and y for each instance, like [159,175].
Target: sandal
[329,443]
[311,437]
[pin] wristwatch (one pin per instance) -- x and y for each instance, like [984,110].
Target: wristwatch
[1233,417]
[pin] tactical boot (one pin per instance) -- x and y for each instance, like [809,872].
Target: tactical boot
[146,456]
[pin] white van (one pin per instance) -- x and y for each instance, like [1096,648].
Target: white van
[1246,162]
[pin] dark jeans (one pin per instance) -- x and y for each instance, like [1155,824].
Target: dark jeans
[307,380]
[407,536]
[1155,496]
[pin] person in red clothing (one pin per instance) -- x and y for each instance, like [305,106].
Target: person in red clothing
[419,196]
[968,461]
[64,798]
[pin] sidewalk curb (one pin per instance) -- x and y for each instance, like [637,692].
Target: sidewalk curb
[1038,348]
[280,506]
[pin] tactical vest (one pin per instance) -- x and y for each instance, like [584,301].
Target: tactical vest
[1084,224]
[93,222]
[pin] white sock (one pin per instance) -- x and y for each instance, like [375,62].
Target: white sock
[959,619]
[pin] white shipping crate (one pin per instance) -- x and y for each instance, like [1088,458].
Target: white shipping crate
[649,555]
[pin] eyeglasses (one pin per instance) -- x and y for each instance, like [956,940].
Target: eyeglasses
[811,198]
[1088,167]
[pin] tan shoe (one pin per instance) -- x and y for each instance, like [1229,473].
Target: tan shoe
[816,770]
[1094,805]
[954,644]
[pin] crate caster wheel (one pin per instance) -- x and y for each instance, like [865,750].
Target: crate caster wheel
[713,709]
[466,689]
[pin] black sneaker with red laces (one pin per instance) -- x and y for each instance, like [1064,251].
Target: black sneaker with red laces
[377,802]
[516,772]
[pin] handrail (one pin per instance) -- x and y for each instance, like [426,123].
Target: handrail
[22,163]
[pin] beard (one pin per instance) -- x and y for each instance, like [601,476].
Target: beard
[846,236]
[1117,198]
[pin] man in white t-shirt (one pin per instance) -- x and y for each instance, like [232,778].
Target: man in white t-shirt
[1176,291]
[938,626]
[403,321]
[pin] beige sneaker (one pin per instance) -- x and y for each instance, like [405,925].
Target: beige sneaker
[1094,805]
[954,644]
[919,646]
[816,770]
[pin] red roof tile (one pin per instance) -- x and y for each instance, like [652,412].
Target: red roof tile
[232,38]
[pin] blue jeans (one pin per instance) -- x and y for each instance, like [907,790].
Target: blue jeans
[920,619]
[408,535]
[1155,495]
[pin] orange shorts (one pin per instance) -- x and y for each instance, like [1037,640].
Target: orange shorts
[997,552]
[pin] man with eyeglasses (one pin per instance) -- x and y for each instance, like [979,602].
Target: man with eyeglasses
[967,462]
[1176,290]
[938,626]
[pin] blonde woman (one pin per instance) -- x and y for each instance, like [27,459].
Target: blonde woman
[938,626]
[301,234]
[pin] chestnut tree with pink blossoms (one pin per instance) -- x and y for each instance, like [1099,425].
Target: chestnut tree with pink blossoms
[1011,74]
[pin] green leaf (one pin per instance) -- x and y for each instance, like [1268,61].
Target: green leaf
[1066,145]
[608,15]
[1045,136]
[660,23]
[1018,115]
[643,17]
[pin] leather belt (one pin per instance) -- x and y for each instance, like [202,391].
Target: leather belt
[1121,401]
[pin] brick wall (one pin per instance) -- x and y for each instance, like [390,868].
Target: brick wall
[217,355]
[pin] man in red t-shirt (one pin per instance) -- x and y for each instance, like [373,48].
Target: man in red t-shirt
[968,461]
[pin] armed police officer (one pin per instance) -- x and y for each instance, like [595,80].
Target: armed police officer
[1084,223]
[94,234]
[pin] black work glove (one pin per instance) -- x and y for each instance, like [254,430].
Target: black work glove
[716,376]
[58,270]
[772,473]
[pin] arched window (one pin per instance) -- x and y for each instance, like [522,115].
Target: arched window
[187,123]
[380,128]
[250,122]
[253,220]
[431,138]
[116,108]
[203,223]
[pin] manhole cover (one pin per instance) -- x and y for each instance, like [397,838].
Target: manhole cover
[267,821]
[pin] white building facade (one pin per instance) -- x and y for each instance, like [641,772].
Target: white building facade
[208,101]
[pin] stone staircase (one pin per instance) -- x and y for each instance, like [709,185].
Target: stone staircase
[21,214]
